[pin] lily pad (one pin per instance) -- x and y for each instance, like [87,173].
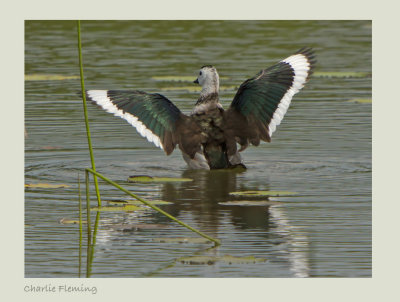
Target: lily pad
[46,186]
[196,240]
[249,203]
[178,78]
[137,202]
[263,193]
[137,227]
[195,88]
[126,208]
[145,178]
[362,101]
[341,74]
[196,260]
[49,77]
[70,221]
[250,259]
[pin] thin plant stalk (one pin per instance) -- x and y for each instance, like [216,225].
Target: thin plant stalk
[216,241]
[80,227]
[92,246]
[88,204]
[85,112]
[88,260]
[89,232]
[96,226]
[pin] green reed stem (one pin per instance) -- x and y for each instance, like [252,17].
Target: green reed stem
[88,260]
[80,227]
[88,206]
[92,245]
[89,232]
[85,112]
[216,241]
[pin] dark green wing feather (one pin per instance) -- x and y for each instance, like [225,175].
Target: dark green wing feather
[262,101]
[153,115]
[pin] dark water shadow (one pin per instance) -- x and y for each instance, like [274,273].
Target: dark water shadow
[205,195]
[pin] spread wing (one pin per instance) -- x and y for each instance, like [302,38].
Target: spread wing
[262,101]
[154,117]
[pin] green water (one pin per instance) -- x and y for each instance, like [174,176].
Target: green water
[322,151]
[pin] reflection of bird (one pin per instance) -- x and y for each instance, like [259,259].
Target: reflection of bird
[208,136]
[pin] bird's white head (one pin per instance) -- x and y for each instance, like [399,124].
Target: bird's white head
[208,78]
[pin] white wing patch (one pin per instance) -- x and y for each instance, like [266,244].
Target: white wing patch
[100,97]
[301,67]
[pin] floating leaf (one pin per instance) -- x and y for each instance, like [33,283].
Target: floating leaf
[262,193]
[126,208]
[70,221]
[137,227]
[195,88]
[363,101]
[174,78]
[49,77]
[117,202]
[178,78]
[249,203]
[198,260]
[187,88]
[196,240]
[46,186]
[144,178]
[213,259]
[341,74]
[137,202]
[250,259]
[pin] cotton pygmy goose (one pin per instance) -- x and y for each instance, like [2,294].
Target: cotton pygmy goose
[208,137]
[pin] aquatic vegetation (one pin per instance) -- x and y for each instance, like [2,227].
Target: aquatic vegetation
[46,186]
[209,260]
[341,74]
[193,240]
[145,178]
[70,221]
[127,227]
[362,101]
[49,77]
[216,241]
[85,113]
[136,202]
[125,208]
[249,203]
[263,193]
[170,78]
[195,88]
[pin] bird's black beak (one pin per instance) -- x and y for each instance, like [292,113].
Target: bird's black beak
[196,81]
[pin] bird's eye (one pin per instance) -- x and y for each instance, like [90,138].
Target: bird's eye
[200,73]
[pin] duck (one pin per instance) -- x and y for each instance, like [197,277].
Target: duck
[211,137]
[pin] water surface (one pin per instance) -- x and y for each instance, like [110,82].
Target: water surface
[322,151]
